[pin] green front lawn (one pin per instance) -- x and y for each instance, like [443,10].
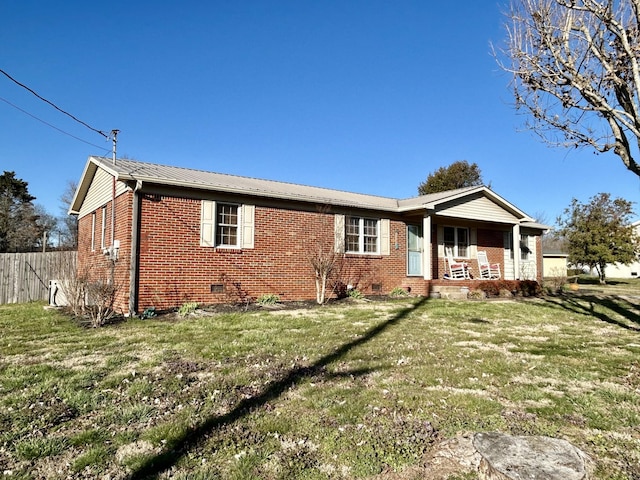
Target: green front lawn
[347,390]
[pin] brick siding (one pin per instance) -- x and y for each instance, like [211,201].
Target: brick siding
[174,268]
[94,264]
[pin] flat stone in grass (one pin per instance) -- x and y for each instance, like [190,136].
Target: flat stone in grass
[505,457]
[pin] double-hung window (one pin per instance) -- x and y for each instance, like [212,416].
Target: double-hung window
[93,232]
[227,225]
[103,228]
[362,235]
[457,239]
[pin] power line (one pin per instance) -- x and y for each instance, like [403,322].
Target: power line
[50,125]
[53,104]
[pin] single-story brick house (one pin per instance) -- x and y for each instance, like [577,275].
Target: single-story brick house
[180,235]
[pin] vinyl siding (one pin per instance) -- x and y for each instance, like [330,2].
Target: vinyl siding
[478,208]
[100,192]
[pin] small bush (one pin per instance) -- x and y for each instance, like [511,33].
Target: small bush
[489,288]
[504,293]
[477,294]
[399,292]
[530,288]
[268,299]
[509,285]
[556,281]
[187,308]
[354,293]
[148,313]
[340,289]
[509,288]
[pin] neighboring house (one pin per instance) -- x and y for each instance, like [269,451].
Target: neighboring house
[554,263]
[186,235]
[618,270]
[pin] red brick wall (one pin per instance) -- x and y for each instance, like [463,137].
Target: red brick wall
[539,260]
[492,242]
[174,268]
[94,264]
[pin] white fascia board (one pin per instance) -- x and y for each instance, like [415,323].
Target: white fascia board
[83,186]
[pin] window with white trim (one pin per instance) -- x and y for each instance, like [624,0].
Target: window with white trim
[362,235]
[93,232]
[103,233]
[226,225]
[525,250]
[457,238]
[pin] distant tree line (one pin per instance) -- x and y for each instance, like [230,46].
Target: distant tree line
[26,226]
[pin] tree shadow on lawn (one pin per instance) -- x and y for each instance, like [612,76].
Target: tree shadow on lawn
[165,460]
[586,304]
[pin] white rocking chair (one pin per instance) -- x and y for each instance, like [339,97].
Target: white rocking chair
[489,271]
[457,270]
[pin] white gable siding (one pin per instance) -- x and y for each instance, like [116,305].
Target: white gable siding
[478,208]
[100,192]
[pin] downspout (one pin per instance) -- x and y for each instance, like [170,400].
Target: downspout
[135,249]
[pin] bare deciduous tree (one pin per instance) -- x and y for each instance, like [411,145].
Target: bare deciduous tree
[325,263]
[576,71]
[68,223]
[325,257]
[85,294]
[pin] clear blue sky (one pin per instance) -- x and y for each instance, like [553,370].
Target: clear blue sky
[365,96]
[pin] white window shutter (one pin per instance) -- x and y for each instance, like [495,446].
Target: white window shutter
[207,223]
[248,225]
[385,236]
[338,233]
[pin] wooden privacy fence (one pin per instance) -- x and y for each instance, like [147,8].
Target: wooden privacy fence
[24,277]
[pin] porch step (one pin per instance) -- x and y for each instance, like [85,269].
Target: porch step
[452,292]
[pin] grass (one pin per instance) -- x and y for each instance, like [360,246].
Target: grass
[348,390]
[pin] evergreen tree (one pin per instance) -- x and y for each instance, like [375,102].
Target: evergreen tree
[457,175]
[19,228]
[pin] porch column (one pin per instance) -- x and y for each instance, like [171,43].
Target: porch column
[516,251]
[426,247]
